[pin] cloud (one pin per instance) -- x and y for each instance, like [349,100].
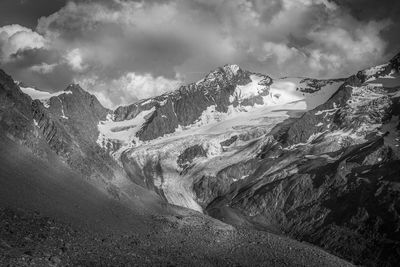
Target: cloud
[14,38]
[126,50]
[128,88]
[281,52]
[74,60]
[44,68]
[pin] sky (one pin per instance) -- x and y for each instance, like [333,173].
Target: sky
[125,50]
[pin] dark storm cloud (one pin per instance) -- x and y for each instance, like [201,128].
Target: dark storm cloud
[60,76]
[123,50]
[31,57]
[30,65]
[27,12]
[367,10]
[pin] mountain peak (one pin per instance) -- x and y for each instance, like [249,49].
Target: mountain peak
[74,87]
[397,56]
[232,68]
[225,74]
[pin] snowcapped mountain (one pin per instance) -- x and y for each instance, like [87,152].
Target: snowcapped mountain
[224,93]
[170,142]
[317,160]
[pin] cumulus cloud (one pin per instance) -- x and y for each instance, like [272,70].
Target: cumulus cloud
[43,68]
[74,60]
[14,38]
[129,88]
[124,50]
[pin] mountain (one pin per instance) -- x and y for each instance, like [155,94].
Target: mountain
[65,201]
[314,160]
[192,130]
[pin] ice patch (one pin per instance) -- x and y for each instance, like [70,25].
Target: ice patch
[342,135]
[327,111]
[62,110]
[390,75]
[147,102]
[162,103]
[235,68]
[282,92]
[375,70]
[249,90]
[124,132]
[363,95]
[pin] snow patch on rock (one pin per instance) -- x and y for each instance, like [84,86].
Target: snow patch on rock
[372,72]
[123,132]
[253,88]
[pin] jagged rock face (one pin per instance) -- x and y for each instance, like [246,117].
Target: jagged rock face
[308,85]
[353,105]
[78,110]
[189,154]
[65,124]
[52,130]
[395,62]
[185,106]
[69,125]
[15,111]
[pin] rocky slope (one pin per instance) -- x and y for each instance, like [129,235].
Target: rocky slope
[31,239]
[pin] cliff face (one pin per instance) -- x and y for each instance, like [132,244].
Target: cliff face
[15,111]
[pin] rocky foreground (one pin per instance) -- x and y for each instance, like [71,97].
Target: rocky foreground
[30,239]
